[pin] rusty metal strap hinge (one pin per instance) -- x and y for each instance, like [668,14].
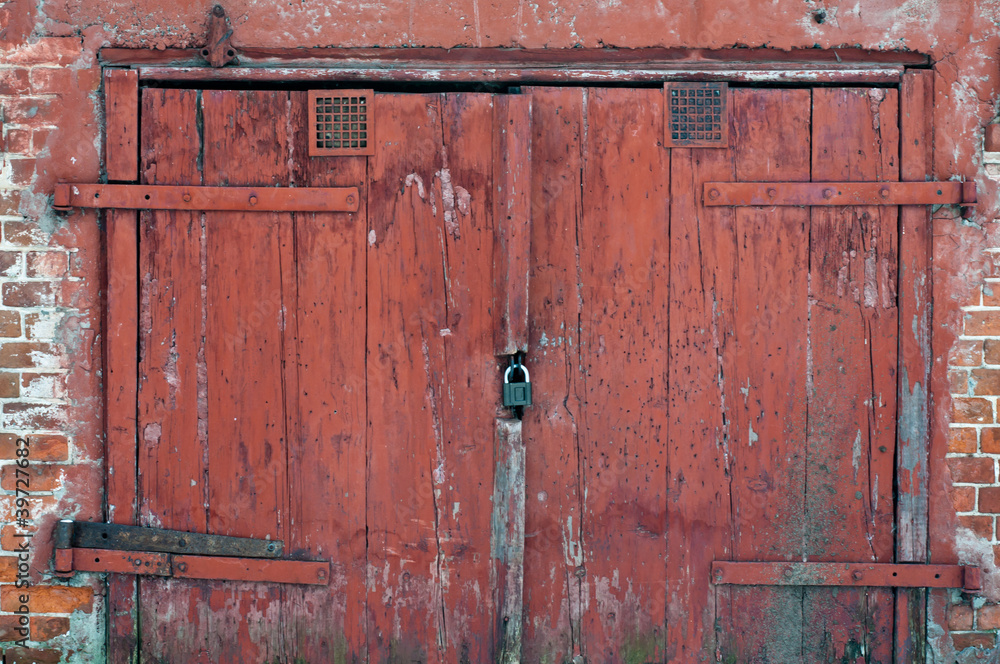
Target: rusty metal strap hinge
[839,193]
[899,575]
[103,547]
[196,198]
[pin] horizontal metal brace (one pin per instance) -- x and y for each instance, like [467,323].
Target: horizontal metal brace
[903,575]
[839,193]
[88,535]
[219,568]
[183,197]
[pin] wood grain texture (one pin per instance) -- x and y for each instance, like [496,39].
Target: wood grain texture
[915,358]
[849,506]
[623,248]
[508,539]
[121,124]
[553,591]
[121,330]
[512,205]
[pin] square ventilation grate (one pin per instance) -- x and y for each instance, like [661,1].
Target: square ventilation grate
[341,123]
[696,115]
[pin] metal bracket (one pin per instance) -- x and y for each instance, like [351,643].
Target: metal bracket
[81,546]
[218,49]
[182,197]
[913,575]
[839,193]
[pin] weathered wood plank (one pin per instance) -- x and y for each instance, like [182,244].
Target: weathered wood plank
[512,214]
[763,372]
[121,330]
[849,505]
[553,600]
[702,255]
[406,374]
[121,124]
[915,292]
[508,539]
[624,259]
[471,385]
[325,331]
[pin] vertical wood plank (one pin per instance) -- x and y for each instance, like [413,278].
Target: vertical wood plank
[624,262]
[405,368]
[853,342]
[508,539]
[763,370]
[471,374]
[121,124]
[915,292]
[325,332]
[512,249]
[699,509]
[121,331]
[553,600]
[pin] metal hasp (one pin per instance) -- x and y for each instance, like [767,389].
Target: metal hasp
[915,575]
[218,49]
[237,199]
[839,193]
[81,546]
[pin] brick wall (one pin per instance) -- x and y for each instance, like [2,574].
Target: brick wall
[49,335]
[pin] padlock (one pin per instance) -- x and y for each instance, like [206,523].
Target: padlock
[516,394]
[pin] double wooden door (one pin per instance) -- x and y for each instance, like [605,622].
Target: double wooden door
[709,383]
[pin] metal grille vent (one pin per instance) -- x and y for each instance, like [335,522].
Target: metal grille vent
[341,122]
[697,115]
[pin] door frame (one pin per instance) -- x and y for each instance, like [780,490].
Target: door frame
[920,448]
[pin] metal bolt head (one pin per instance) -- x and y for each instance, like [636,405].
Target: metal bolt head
[713,194]
[772,192]
[350,199]
[270,547]
[187,198]
[253,200]
[856,575]
[182,566]
[828,193]
[884,192]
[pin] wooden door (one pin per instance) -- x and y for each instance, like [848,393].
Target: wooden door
[323,379]
[712,383]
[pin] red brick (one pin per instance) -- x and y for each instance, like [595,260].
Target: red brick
[972,470]
[962,440]
[44,628]
[41,325]
[13,81]
[10,324]
[980,525]
[29,294]
[52,80]
[34,417]
[991,295]
[25,234]
[8,569]
[32,656]
[973,298]
[39,139]
[47,51]
[32,111]
[49,599]
[971,411]
[10,201]
[18,142]
[10,263]
[52,264]
[9,387]
[989,500]
[28,355]
[986,382]
[40,447]
[982,323]
[22,171]
[41,476]
[9,626]
[963,498]
[960,617]
[988,617]
[43,386]
[973,640]
[967,353]
[958,380]
[990,440]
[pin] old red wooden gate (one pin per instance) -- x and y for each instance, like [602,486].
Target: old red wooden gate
[710,382]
